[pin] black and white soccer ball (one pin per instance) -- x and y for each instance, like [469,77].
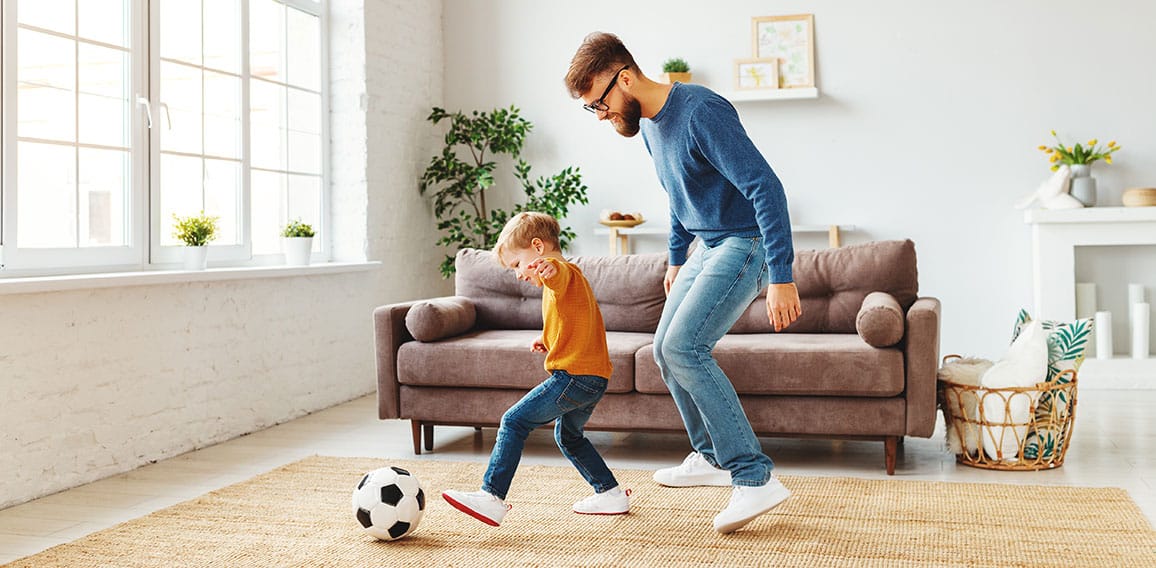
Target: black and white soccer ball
[389,503]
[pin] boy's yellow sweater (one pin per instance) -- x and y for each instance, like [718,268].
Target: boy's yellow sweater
[572,328]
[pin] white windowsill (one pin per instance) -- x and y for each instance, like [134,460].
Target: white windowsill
[36,284]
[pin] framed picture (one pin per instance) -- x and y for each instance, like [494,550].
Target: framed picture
[756,73]
[790,39]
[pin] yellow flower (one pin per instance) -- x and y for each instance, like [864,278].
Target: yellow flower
[1044,148]
[1112,144]
[1092,142]
[1054,158]
[1053,133]
[1108,159]
[1049,150]
[1055,167]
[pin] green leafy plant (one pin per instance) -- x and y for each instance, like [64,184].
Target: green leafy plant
[1077,154]
[296,228]
[675,65]
[195,230]
[461,175]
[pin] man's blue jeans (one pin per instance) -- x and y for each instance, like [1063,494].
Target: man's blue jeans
[567,399]
[713,288]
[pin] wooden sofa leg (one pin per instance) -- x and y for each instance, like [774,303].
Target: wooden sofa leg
[415,426]
[891,448]
[427,429]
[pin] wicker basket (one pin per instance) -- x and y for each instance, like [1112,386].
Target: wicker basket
[981,420]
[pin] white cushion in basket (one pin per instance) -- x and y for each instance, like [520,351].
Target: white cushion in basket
[1024,365]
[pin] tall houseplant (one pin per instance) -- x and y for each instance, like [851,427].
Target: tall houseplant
[461,175]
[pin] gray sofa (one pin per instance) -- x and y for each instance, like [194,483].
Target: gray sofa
[860,363]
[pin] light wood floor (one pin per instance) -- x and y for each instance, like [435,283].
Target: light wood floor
[1114,445]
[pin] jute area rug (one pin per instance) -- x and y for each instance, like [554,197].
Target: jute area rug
[299,515]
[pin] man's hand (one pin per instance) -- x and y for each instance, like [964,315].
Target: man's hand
[539,346]
[783,306]
[544,269]
[668,280]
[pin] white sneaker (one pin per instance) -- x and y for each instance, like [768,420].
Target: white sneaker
[747,503]
[612,502]
[694,471]
[479,505]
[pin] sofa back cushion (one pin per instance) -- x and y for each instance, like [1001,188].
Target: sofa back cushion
[628,289]
[833,283]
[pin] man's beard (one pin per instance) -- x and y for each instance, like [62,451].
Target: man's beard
[629,117]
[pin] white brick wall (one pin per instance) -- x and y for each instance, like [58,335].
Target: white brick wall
[97,382]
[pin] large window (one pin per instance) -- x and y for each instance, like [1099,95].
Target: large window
[120,114]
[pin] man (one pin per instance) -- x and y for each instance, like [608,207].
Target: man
[723,192]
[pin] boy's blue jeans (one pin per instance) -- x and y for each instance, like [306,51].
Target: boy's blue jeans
[713,288]
[567,399]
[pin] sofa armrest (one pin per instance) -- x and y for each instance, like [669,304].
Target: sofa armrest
[389,333]
[921,353]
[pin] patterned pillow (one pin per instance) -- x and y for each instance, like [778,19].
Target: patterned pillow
[1067,343]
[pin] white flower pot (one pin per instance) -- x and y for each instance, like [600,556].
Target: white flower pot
[196,258]
[297,250]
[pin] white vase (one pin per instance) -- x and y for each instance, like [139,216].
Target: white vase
[196,258]
[1083,186]
[297,250]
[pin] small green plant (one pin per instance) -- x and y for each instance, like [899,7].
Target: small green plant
[195,230]
[1077,155]
[675,65]
[296,228]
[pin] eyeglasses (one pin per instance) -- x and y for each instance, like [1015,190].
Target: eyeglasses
[600,104]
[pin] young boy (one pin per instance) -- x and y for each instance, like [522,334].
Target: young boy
[574,341]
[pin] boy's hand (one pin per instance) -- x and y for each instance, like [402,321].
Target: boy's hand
[544,269]
[783,306]
[539,347]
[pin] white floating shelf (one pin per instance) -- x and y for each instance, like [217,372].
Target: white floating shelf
[772,94]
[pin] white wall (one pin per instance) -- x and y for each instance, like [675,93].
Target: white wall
[927,126]
[98,382]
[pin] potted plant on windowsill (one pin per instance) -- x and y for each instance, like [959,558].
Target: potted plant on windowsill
[676,69]
[195,231]
[297,242]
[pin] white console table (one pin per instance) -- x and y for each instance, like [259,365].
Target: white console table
[1055,236]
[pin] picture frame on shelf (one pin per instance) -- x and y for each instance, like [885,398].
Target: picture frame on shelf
[791,40]
[756,74]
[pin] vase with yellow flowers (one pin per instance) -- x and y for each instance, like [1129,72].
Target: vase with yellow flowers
[1080,159]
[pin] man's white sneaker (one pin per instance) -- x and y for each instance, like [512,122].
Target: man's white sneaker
[612,502]
[747,503]
[693,472]
[479,505]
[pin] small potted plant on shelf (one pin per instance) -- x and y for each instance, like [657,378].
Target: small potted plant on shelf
[676,69]
[297,242]
[195,231]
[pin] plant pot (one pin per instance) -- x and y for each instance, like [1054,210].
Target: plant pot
[672,77]
[1083,186]
[297,250]
[196,258]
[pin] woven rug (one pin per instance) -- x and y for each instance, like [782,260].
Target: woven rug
[299,515]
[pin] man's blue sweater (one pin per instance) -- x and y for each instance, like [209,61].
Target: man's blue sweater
[719,184]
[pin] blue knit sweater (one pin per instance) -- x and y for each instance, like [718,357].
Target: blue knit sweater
[719,184]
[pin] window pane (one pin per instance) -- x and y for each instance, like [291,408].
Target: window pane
[222,115]
[268,210]
[104,191]
[304,132]
[304,57]
[55,15]
[267,39]
[46,178]
[181,30]
[223,35]
[223,199]
[181,192]
[46,78]
[104,20]
[267,115]
[104,99]
[181,91]
[305,202]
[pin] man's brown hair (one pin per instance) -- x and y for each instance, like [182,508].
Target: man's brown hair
[599,53]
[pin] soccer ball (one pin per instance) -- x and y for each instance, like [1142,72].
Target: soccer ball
[389,503]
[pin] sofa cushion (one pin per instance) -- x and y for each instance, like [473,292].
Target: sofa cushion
[794,364]
[833,283]
[880,320]
[502,359]
[628,289]
[431,320]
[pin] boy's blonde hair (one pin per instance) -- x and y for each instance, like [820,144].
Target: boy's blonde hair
[523,228]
